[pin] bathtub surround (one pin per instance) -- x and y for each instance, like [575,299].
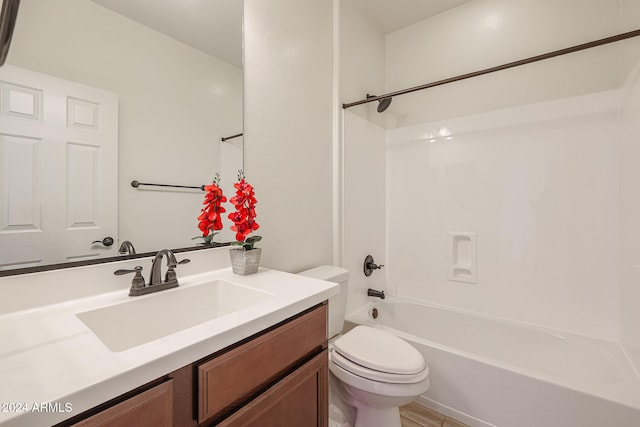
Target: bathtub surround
[364,201]
[514,177]
[630,191]
[538,161]
[525,158]
[629,214]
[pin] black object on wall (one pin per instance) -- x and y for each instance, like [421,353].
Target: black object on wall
[8,16]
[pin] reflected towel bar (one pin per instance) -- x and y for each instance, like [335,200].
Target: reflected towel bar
[230,137]
[136,184]
[529,60]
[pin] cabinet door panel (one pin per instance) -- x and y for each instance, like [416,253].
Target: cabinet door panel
[229,380]
[151,408]
[300,399]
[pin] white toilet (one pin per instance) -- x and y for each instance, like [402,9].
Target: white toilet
[372,370]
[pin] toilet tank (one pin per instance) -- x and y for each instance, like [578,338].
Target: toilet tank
[338,303]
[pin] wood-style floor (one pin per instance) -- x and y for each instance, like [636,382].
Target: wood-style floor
[415,415]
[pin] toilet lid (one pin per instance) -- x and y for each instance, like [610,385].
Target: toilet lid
[379,350]
[337,359]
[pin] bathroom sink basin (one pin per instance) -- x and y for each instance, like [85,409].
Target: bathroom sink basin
[140,320]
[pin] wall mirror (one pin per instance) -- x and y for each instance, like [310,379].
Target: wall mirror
[161,78]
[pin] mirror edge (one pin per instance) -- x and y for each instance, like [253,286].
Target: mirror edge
[8,17]
[63,265]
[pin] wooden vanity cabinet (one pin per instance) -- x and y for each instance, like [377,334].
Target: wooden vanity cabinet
[230,380]
[298,400]
[150,408]
[276,378]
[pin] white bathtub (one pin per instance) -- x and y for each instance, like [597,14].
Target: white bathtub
[488,372]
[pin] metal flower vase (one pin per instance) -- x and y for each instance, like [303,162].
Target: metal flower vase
[245,261]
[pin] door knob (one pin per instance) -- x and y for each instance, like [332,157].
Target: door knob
[107,241]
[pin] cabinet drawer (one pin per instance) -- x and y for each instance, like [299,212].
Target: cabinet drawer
[231,379]
[151,408]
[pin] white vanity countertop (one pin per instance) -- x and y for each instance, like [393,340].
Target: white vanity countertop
[48,355]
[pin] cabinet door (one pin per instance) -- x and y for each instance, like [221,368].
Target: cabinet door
[300,399]
[151,408]
[231,379]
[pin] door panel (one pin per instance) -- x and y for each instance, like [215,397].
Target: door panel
[58,183]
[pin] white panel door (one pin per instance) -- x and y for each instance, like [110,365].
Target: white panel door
[58,169]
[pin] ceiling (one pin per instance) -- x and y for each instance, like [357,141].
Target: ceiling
[215,26]
[391,15]
[211,26]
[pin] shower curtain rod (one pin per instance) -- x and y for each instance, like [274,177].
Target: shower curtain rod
[577,48]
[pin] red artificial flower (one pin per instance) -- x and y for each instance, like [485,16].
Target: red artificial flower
[244,218]
[210,219]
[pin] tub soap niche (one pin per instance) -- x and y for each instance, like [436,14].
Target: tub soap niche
[463,260]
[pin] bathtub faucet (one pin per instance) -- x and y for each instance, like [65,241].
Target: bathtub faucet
[370,266]
[374,293]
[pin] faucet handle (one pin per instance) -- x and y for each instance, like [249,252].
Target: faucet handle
[138,280]
[137,270]
[370,265]
[184,261]
[171,273]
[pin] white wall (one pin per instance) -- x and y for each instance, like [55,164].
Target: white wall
[630,193]
[362,59]
[288,47]
[175,104]
[526,158]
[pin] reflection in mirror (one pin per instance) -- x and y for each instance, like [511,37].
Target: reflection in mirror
[8,15]
[99,93]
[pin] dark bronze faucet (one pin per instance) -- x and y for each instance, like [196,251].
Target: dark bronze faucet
[156,283]
[126,248]
[375,293]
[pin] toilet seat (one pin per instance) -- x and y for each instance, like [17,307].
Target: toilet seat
[377,355]
[374,375]
[352,381]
